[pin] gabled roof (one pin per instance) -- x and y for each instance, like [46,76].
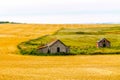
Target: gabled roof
[103,39]
[51,43]
[41,47]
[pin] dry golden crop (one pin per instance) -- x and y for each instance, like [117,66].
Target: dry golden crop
[99,67]
[20,67]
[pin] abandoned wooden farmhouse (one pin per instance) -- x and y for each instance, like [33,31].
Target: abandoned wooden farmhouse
[103,43]
[54,47]
[58,46]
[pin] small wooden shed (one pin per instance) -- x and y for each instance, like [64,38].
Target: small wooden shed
[56,46]
[103,43]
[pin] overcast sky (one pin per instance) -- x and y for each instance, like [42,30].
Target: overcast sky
[60,11]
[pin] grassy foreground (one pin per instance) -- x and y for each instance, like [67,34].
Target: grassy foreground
[80,40]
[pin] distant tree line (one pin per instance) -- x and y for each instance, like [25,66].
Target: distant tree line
[7,22]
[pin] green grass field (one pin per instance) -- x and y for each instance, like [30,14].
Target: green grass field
[80,40]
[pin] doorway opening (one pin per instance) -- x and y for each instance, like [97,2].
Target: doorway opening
[58,49]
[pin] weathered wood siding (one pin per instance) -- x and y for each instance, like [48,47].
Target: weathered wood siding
[62,47]
[43,50]
[102,43]
[53,48]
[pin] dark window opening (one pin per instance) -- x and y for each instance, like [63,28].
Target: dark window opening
[58,49]
[104,41]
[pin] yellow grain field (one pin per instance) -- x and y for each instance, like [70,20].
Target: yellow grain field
[12,34]
[101,67]
[19,67]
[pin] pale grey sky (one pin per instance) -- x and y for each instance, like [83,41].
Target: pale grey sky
[60,11]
